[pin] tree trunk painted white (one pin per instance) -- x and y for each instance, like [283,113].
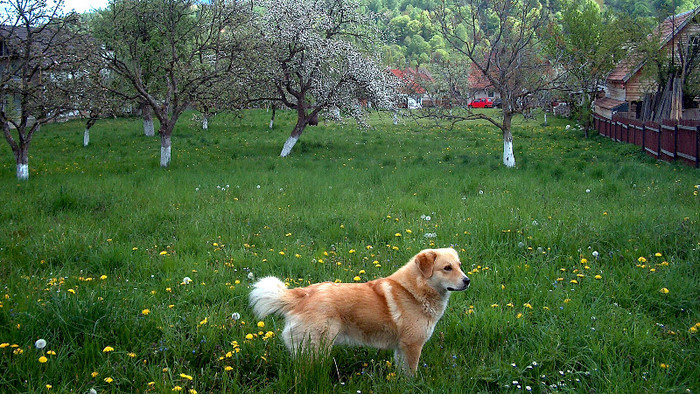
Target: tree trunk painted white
[288,146]
[508,156]
[86,137]
[148,128]
[205,123]
[165,150]
[272,122]
[22,172]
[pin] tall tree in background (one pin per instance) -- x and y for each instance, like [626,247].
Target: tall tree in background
[315,62]
[590,44]
[505,42]
[172,51]
[38,54]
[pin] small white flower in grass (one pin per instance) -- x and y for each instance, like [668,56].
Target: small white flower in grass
[40,344]
[235,316]
[186,280]
[251,276]
[481,192]
[528,388]
[595,254]
[257,187]
[588,190]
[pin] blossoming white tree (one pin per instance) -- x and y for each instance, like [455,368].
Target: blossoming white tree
[315,63]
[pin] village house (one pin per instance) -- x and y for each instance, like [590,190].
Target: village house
[627,84]
[412,87]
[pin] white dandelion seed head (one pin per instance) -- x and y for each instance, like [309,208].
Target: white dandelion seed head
[186,280]
[40,343]
[588,190]
[235,316]
[595,254]
[251,276]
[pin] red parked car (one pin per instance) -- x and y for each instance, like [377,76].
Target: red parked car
[481,103]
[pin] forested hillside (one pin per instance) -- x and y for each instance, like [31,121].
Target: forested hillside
[411,38]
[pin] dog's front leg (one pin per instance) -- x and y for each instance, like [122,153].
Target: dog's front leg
[407,356]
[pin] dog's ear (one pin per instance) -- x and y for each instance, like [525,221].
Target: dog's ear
[425,261]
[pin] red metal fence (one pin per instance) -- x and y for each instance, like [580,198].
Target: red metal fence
[669,141]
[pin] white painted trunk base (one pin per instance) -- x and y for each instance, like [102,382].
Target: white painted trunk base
[86,137]
[205,124]
[165,155]
[148,128]
[508,156]
[22,172]
[272,122]
[288,146]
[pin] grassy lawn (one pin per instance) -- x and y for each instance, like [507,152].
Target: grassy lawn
[584,259]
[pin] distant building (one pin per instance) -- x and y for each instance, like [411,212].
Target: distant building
[625,86]
[412,87]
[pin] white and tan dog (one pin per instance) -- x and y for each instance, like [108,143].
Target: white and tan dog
[397,312]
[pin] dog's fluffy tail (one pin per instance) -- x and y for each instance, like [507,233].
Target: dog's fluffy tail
[267,298]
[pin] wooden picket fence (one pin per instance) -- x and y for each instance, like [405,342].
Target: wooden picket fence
[669,141]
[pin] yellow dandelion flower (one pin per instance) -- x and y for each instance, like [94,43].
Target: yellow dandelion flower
[510,304]
[94,374]
[664,290]
[519,315]
[584,261]
[642,260]
[527,305]
[693,329]
[177,388]
[43,359]
[107,349]
[203,322]
[249,337]
[658,254]
[228,368]
[163,253]
[598,277]
[51,353]
[145,312]
[573,281]
[185,376]
[192,391]
[357,279]
[362,272]
[132,355]
[103,277]
[397,234]
[49,387]
[4,345]
[494,305]
[261,324]
[663,365]
[108,379]
[351,251]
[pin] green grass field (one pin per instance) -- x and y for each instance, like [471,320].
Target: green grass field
[584,259]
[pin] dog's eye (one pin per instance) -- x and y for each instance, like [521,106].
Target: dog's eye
[448,268]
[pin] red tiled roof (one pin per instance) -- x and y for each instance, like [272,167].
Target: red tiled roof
[413,78]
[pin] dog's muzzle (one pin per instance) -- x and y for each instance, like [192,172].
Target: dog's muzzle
[465,284]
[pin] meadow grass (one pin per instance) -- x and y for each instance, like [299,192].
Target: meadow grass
[583,259]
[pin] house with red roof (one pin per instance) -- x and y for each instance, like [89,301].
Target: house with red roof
[413,84]
[626,85]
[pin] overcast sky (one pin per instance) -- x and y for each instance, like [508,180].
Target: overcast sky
[84,5]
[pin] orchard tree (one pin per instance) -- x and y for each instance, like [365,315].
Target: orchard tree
[590,44]
[172,52]
[504,42]
[36,83]
[318,59]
